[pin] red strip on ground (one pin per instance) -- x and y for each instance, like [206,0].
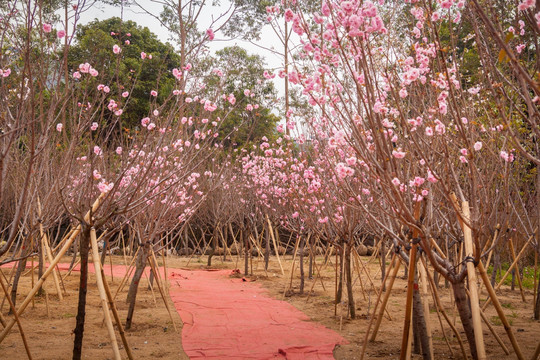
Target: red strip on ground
[227,318]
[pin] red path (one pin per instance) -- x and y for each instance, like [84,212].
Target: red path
[227,318]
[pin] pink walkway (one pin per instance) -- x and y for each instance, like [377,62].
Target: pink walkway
[227,318]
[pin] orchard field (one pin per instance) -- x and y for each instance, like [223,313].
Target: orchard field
[374,195]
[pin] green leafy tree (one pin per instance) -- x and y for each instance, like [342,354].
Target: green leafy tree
[127,71]
[234,72]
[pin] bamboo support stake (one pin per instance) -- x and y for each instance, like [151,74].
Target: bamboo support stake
[116,316]
[161,290]
[102,293]
[513,252]
[509,269]
[13,310]
[51,267]
[45,243]
[488,261]
[423,279]
[536,355]
[379,317]
[437,300]
[500,312]
[408,304]
[270,229]
[2,320]
[292,267]
[395,264]
[471,275]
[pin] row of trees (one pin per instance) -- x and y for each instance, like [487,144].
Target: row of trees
[405,140]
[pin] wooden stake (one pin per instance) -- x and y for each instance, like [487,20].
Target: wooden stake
[423,279]
[435,294]
[500,312]
[379,317]
[116,317]
[14,311]
[512,251]
[471,275]
[103,294]
[509,269]
[152,258]
[275,243]
[47,272]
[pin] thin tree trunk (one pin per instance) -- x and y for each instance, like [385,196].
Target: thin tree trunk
[465,315]
[246,252]
[420,326]
[349,280]
[267,249]
[302,245]
[84,240]
[383,263]
[20,268]
[140,265]
[340,282]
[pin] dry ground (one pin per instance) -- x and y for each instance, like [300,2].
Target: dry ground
[152,335]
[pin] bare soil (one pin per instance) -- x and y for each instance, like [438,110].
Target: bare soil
[152,336]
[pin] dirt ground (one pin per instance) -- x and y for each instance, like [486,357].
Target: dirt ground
[152,334]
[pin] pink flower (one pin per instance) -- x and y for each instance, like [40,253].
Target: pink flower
[463,152]
[116,49]
[431,178]
[398,154]
[76,75]
[97,151]
[125,94]
[96,175]
[93,72]
[323,220]
[145,121]
[295,214]
[59,127]
[210,34]
[127,42]
[396,181]
[153,93]
[403,93]
[525,5]
[47,28]
[60,34]
[143,55]
[478,145]
[94,126]
[119,150]
[463,159]
[151,126]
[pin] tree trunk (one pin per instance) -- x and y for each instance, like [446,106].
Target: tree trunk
[465,315]
[20,268]
[213,247]
[84,241]
[419,323]
[383,263]
[302,245]
[537,305]
[267,249]
[340,282]
[349,280]
[246,252]
[140,265]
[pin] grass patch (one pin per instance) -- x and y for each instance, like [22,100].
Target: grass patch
[527,280]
